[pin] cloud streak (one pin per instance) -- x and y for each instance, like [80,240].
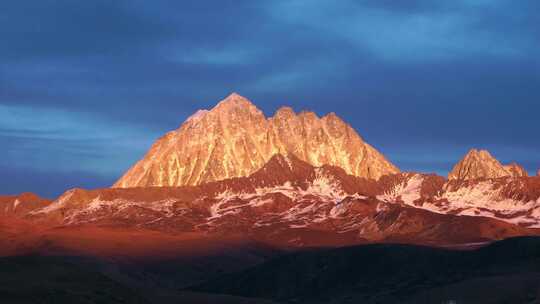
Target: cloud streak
[414,33]
[60,141]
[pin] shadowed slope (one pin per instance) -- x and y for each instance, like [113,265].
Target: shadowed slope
[58,280]
[393,274]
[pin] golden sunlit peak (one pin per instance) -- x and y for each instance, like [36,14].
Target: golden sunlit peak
[234,99]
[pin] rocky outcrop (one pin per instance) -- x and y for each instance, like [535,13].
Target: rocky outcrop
[235,139]
[20,205]
[516,170]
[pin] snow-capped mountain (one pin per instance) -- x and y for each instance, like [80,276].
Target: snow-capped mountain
[289,201]
[235,139]
[295,179]
[514,200]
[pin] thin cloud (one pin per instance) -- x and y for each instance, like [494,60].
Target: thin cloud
[52,139]
[416,33]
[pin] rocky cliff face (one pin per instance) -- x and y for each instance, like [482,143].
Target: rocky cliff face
[235,139]
[481,164]
[516,170]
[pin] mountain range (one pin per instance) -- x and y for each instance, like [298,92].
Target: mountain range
[230,177]
[233,169]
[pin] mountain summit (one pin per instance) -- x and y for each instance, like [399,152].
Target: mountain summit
[516,170]
[235,139]
[481,164]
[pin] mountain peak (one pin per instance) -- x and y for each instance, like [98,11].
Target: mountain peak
[286,161]
[234,100]
[310,115]
[235,139]
[331,119]
[282,168]
[479,153]
[516,170]
[478,164]
[285,112]
[331,115]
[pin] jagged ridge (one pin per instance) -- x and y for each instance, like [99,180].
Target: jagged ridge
[290,201]
[235,139]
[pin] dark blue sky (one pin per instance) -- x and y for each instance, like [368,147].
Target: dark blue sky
[87,86]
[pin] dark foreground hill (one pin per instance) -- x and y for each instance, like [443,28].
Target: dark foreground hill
[35,279]
[81,280]
[504,272]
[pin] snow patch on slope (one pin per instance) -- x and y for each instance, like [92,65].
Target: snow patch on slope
[56,205]
[321,199]
[326,187]
[478,199]
[407,191]
[483,199]
[16,203]
[92,211]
